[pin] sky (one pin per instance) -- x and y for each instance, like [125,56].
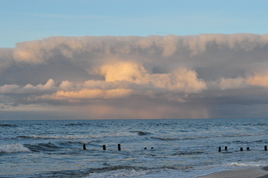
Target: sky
[142,59]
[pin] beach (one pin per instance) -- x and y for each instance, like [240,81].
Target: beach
[245,173]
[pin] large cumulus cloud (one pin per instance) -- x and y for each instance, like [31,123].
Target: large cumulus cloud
[170,76]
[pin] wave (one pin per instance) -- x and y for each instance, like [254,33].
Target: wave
[119,173]
[140,133]
[73,137]
[42,147]
[188,153]
[8,125]
[67,137]
[107,172]
[179,138]
[13,148]
[50,147]
[206,136]
[113,172]
[247,164]
[77,124]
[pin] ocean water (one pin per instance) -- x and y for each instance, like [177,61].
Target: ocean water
[174,148]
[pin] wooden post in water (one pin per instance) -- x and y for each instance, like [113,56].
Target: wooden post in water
[265,148]
[219,149]
[241,149]
[84,147]
[119,147]
[226,148]
[103,147]
[248,149]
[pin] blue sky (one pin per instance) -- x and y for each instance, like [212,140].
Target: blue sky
[31,19]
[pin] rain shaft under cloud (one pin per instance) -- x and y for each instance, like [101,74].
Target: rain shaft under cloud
[202,76]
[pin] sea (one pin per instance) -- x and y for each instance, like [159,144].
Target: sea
[185,148]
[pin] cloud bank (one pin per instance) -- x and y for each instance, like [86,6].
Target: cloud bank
[107,77]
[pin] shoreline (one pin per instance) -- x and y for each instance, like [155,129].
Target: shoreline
[265,169]
[261,172]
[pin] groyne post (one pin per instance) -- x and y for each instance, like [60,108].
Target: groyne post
[103,147]
[241,149]
[84,147]
[219,149]
[265,148]
[119,147]
[226,148]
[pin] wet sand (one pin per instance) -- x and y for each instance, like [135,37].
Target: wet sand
[265,176]
[245,173]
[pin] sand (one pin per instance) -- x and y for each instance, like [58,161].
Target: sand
[265,176]
[247,173]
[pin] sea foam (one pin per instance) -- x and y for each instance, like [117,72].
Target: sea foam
[70,137]
[247,164]
[13,148]
[119,173]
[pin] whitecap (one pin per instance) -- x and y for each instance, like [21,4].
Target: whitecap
[13,148]
[247,164]
[119,173]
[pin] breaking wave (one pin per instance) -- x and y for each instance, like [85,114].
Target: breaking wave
[71,137]
[119,173]
[13,148]
[107,172]
[247,164]
[42,147]
[112,172]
